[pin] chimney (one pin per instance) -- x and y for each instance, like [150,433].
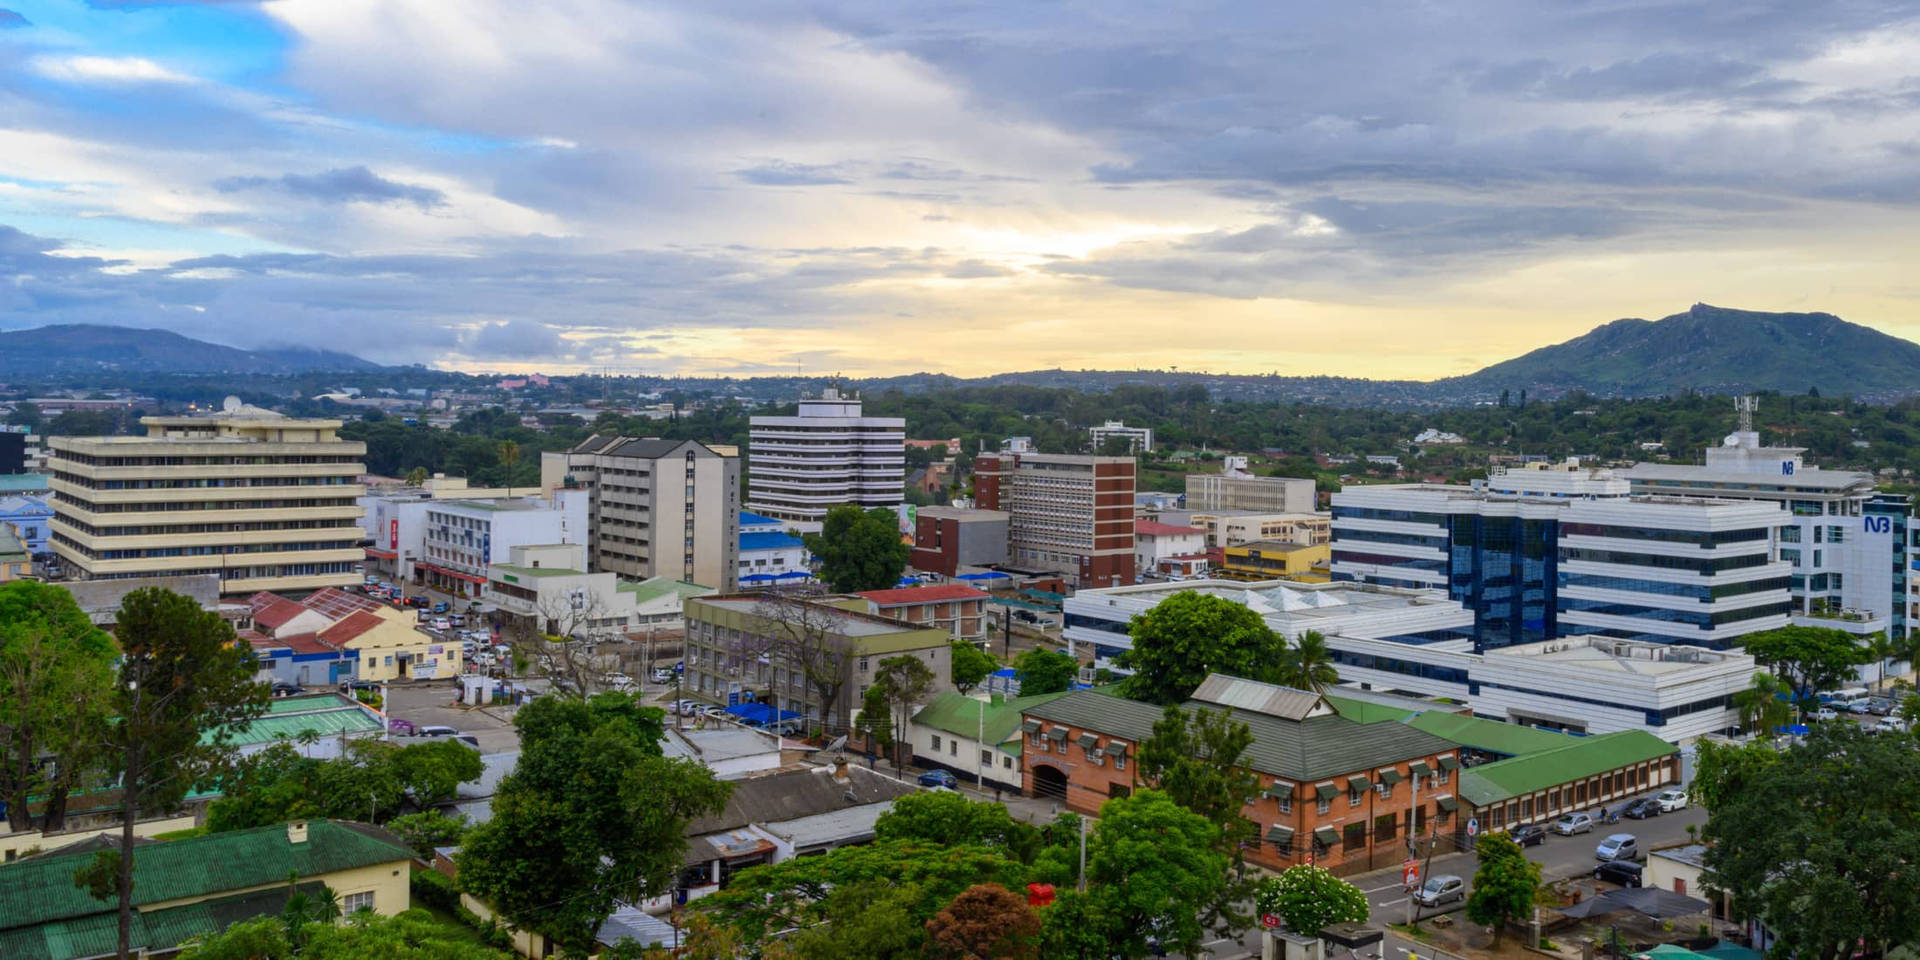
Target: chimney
[840,769]
[296,831]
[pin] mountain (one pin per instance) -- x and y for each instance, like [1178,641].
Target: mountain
[92,348]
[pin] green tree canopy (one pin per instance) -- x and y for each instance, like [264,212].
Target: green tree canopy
[859,549]
[409,935]
[1191,634]
[1044,671]
[56,692]
[1309,664]
[591,814]
[1821,843]
[374,780]
[1504,885]
[951,820]
[1194,758]
[970,665]
[1722,771]
[1310,899]
[1809,659]
[1157,869]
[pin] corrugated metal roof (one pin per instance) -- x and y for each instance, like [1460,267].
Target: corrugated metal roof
[1270,699]
[1493,736]
[1580,758]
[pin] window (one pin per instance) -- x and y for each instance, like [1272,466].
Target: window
[1286,803]
[936,743]
[1323,806]
[353,903]
[1119,761]
[1354,837]
[1385,789]
[1355,796]
[1006,762]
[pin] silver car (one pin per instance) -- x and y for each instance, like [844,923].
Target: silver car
[1572,823]
[1444,888]
[1620,846]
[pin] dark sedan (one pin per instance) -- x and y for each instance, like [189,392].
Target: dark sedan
[1623,872]
[1641,809]
[1528,835]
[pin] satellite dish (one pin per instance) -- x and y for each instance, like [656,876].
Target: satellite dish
[836,746]
[230,404]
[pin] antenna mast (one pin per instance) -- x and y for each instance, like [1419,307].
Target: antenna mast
[1745,406]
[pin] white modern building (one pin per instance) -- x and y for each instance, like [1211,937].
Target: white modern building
[1236,488]
[1167,550]
[1139,439]
[825,455]
[461,538]
[769,555]
[546,589]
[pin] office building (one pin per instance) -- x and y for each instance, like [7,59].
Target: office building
[825,455]
[957,608]
[30,517]
[656,508]
[1846,543]
[1168,550]
[459,539]
[1275,560]
[545,589]
[1555,550]
[1066,513]
[20,451]
[769,555]
[948,539]
[264,501]
[1236,488]
[1138,439]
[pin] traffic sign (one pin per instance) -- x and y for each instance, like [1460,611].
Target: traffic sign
[1473,828]
[1270,920]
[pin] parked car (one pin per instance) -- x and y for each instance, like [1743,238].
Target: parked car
[1671,800]
[687,708]
[281,688]
[1826,713]
[405,728]
[1893,724]
[663,676]
[1619,846]
[938,778]
[786,728]
[440,607]
[1572,823]
[1881,706]
[439,623]
[1444,888]
[434,730]
[1641,809]
[1623,872]
[1862,707]
[619,681]
[1528,834]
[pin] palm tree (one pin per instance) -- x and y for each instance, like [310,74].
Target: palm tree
[1881,648]
[509,455]
[1907,649]
[1309,664]
[417,477]
[1760,706]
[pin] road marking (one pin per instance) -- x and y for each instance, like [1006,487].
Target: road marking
[1390,886]
[1390,903]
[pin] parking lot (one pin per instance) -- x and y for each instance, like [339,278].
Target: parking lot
[431,703]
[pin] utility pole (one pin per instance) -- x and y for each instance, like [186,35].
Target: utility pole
[1083,855]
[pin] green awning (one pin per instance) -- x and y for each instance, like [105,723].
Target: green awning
[1326,836]
[1389,775]
[1115,748]
[1280,835]
[1446,802]
[1281,788]
[1419,768]
[1449,762]
[1057,733]
[1089,739]
[1326,791]
[1358,782]
[1030,726]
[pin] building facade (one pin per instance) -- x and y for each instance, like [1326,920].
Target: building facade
[769,554]
[947,539]
[1168,550]
[656,508]
[1139,440]
[1236,488]
[460,538]
[264,501]
[825,455]
[1275,560]
[1073,514]
[960,610]
[30,517]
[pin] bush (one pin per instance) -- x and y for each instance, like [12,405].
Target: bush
[434,889]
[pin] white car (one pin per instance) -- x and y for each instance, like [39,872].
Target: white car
[440,624]
[1671,800]
[619,681]
[1826,713]
[687,708]
[1894,724]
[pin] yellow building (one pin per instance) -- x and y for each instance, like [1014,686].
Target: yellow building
[265,501]
[1270,560]
[392,648]
[186,888]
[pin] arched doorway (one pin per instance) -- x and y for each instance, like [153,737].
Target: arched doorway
[1049,782]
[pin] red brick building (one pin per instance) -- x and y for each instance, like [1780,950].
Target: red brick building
[958,609]
[1067,512]
[946,539]
[1333,791]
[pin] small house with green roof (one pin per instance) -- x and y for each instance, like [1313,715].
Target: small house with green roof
[199,885]
[978,738]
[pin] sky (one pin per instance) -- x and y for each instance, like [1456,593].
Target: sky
[1373,189]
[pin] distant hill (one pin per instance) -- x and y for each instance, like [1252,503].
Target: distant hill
[92,348]
[1713,350]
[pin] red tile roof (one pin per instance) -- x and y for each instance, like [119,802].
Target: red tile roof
[308,643]
[272,611]
[334,603]
[1154,528]
[355,624]
[911,595]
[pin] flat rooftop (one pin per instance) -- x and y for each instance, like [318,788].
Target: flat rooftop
[1636,657]
[844,622]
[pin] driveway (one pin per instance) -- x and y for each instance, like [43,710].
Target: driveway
[431,704]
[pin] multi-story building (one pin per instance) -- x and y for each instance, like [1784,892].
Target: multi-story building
[1168,550]
[825,455]
[461,538]
[265,501]
[20,451]
[1073,514]
[1846,543]
[757,646]
[396,514]
[1236,488]
[1558,550]
[656,508]
[959,609]
[545,589]
[769,554]
[29,517]
[1138,439]
[947,539]
[1275,560]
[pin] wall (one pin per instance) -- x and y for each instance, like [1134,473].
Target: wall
[15,845]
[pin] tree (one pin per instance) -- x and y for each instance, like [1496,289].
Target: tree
[905,681]
[1077,927]
[951,820]
[417,477]
[509,454]
[185,686]
[592,814]
[1881,647]
[1309,664]
[859,549]
[1762,706]
[970,665]
[876,723]
[410,935]
[1044,671]
[985,922]
[374,780]
[1504,885]
[425,831]
[1809,659]
[1157,867]
[1190,635]
[1194,759]
[804,635]
[870,920]
[1310,899]
[56,683]
[1820,844]
[1722,771]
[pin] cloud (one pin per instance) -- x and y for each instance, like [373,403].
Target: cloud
[340,185]
[106,70]
[513,339]
[10,19]
[780,173]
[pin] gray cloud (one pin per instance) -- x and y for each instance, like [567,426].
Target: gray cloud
[513,339]
[12,18]
[340,185]
[780,173]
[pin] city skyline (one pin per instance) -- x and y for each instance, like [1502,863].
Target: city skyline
[1372,191]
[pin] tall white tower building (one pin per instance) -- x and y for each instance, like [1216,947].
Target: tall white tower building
[827,454]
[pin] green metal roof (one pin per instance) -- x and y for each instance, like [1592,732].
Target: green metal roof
[25,483]
[658,587]
[327,716]
[305,704]
[1582,757]
[10,547]
[1361,711]
[536,572]
[39,891]
[961,715]
[1493,736]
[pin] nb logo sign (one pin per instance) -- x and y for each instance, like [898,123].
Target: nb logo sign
[1786,468]
[1877,524]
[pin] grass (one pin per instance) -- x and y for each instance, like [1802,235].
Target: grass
[186,834]
[455,930]
[1415,931]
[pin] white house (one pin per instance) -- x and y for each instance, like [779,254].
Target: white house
[769,554]
[1166,550]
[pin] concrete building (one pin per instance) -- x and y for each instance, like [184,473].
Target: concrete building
[959,609]
[545,589]
[1072,514]
[947,539]
[657,508]
[769,554]
[1555,550]
[30,517]
[333,635]
[1167,550]
[1139,439]
[265,501]
[20,451]
[762,644]
[1847,544]
[976,737]
[1236,488]
[461,538]
[825,455]
[1275,560]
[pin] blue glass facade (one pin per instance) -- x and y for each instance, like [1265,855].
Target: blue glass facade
[1895,507]
[1506,570]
